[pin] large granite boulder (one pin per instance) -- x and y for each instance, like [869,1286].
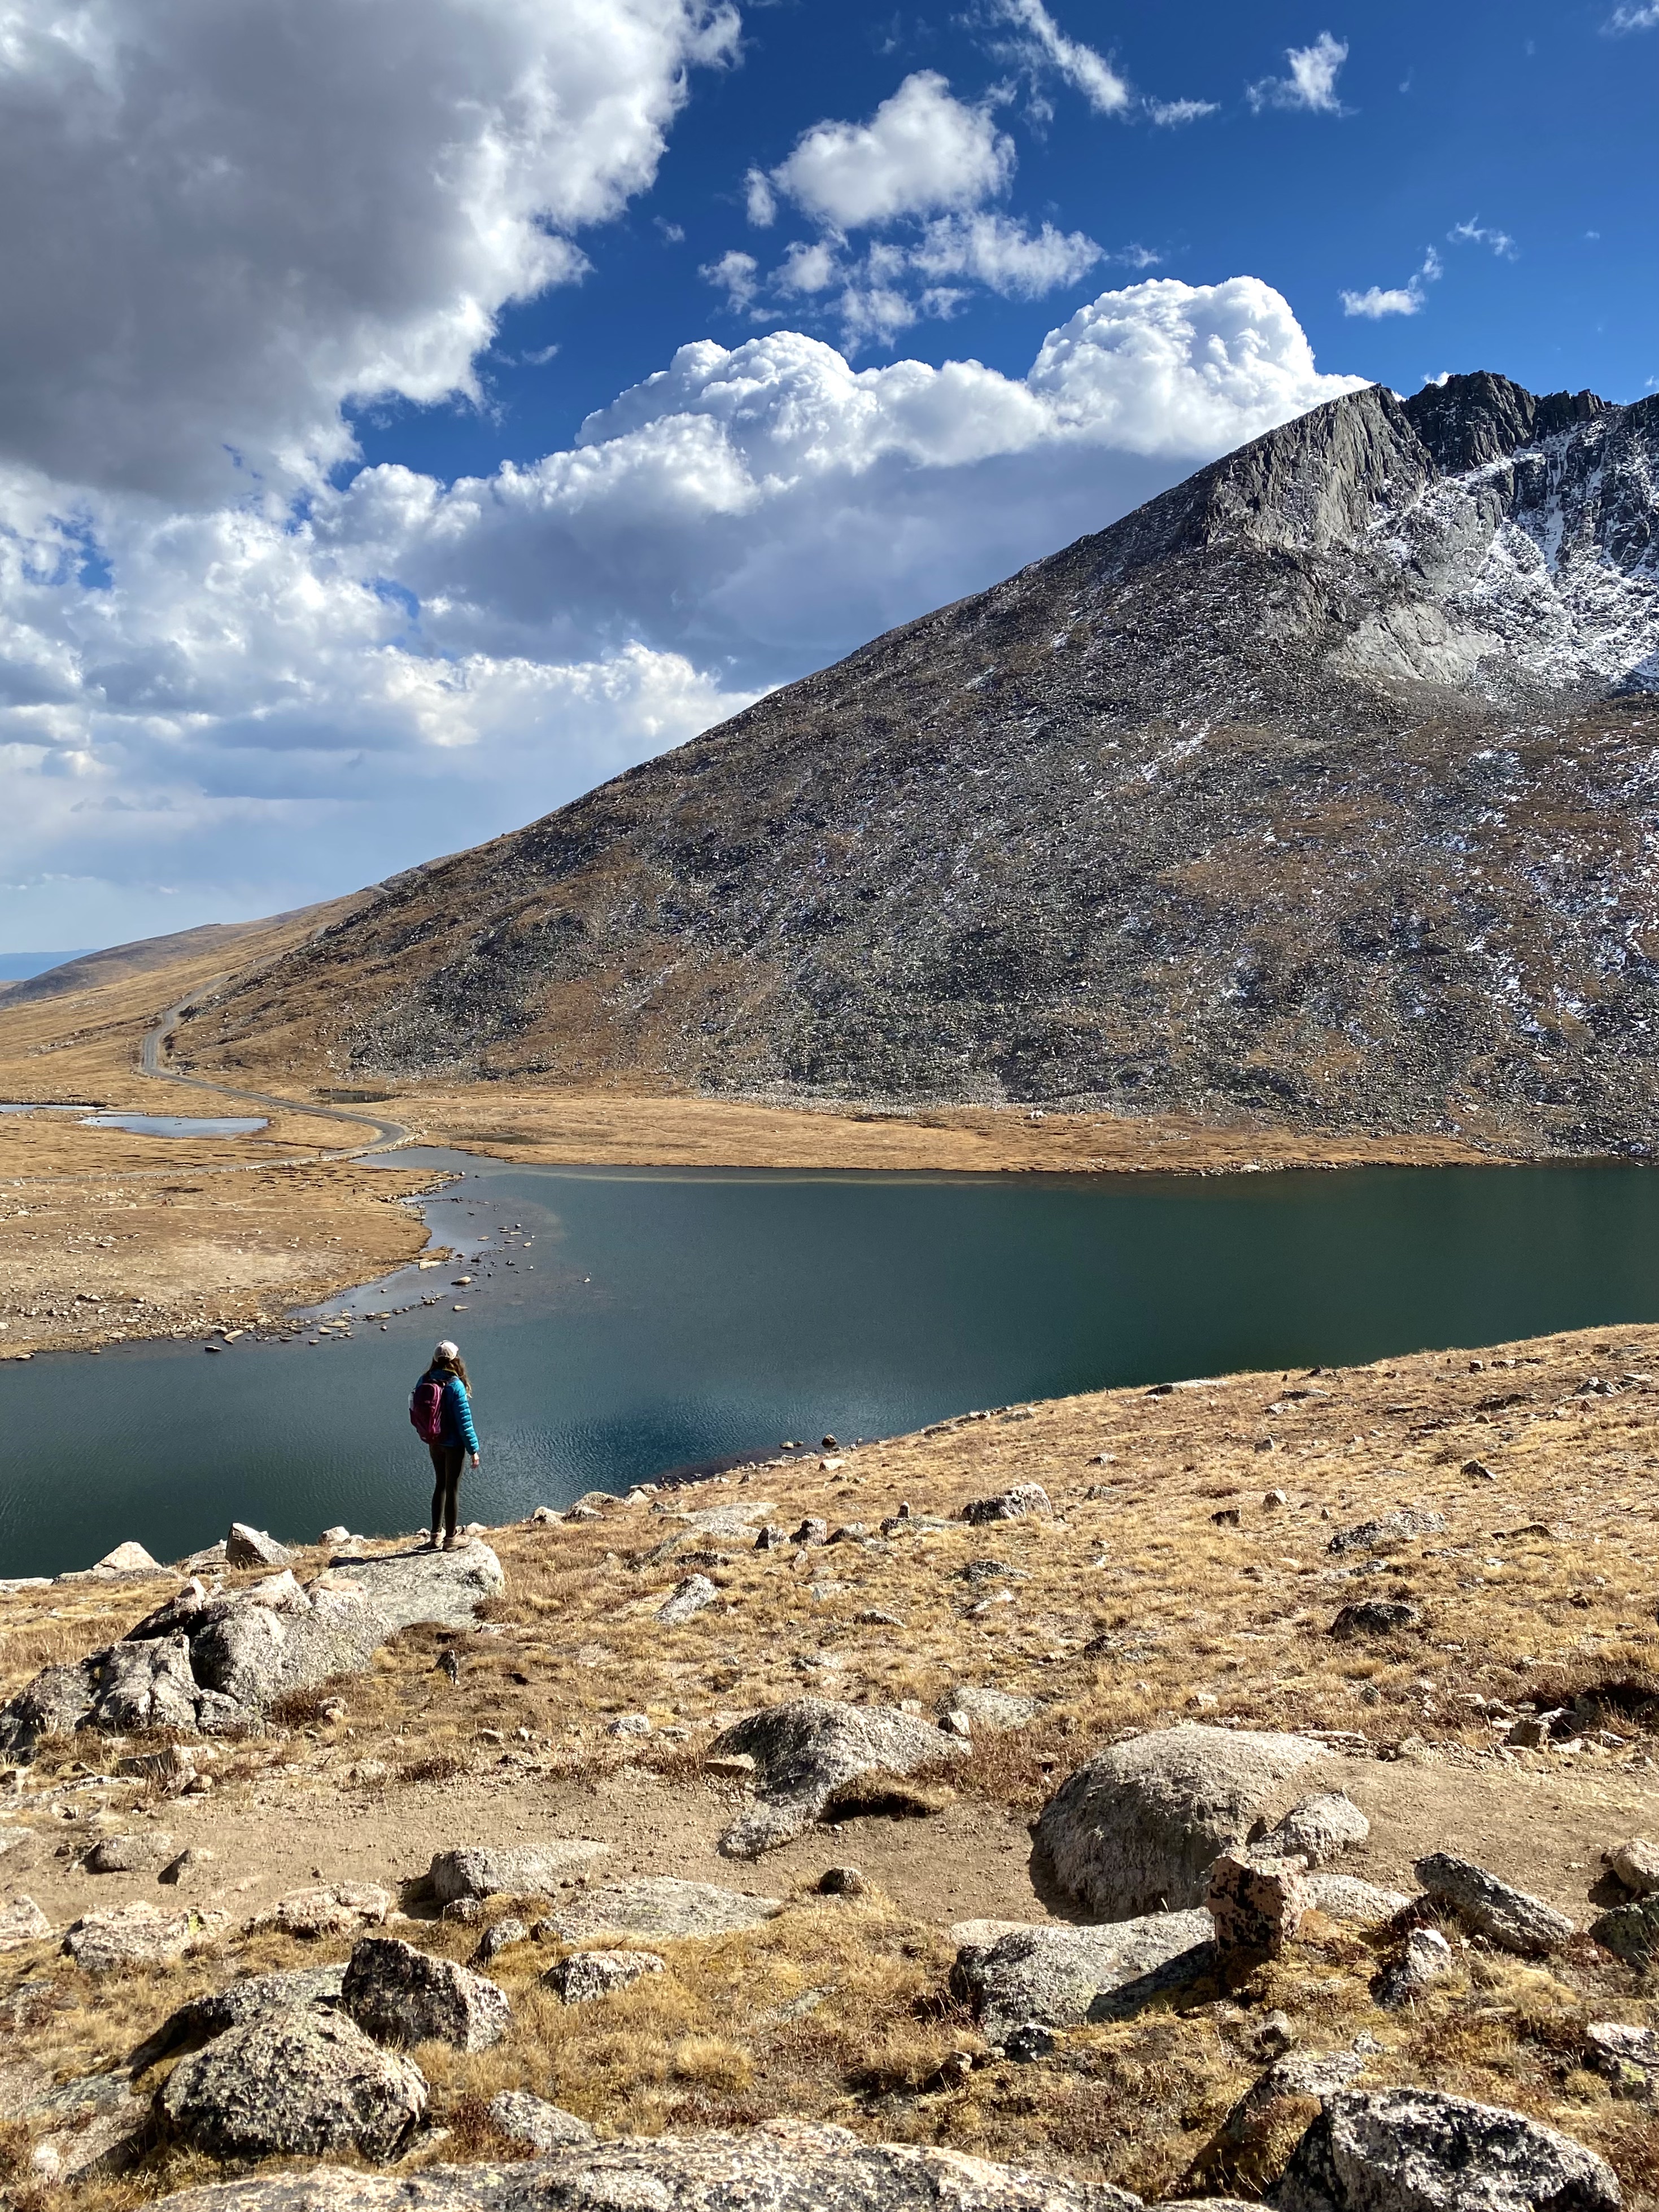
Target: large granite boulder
[1421,2150]
[811,1754]
[294,2084]
[202,2018]
[1137,1829]
[1061,1977]
[780,2167]
[205,1664]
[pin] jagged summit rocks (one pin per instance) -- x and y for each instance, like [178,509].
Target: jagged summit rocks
[1317,788]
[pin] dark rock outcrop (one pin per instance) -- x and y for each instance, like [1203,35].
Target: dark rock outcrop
[1419,2150]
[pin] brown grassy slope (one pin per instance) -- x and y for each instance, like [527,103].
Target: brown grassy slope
[1133,1609]
[103,1234]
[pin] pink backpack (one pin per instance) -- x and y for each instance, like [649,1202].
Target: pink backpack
[426,1411]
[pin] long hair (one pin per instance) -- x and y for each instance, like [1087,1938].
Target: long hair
[456,1367]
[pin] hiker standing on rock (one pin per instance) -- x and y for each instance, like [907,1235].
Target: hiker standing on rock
[441,1410]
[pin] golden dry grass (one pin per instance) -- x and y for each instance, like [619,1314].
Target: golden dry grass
[1132,1608]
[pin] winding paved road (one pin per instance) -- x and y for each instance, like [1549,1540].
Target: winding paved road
[385,1136]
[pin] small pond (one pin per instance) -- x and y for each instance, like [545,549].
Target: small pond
[178,1125]
[621,1324]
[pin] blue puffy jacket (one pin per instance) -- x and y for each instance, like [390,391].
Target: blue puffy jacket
[457,1409]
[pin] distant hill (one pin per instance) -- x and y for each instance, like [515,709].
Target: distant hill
[1324,788]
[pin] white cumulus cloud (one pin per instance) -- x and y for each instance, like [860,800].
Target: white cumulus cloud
[220,220]
[233,709]
[1311,81]
[1476,233]
[922,151]
[1171,113]
[1641,16]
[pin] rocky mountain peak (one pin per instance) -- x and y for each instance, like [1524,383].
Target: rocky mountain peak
[1323,787]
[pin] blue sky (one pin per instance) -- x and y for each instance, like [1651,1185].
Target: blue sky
[308,566]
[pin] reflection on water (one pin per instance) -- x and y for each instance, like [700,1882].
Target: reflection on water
[619,1323]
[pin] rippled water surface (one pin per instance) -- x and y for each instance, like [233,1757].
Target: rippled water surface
[658,1319]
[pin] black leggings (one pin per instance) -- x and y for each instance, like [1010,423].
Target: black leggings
[447,1461]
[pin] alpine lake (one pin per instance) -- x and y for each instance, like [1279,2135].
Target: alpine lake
[623,1324]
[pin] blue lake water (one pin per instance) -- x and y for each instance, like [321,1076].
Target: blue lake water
[178,1125]
[650,1320]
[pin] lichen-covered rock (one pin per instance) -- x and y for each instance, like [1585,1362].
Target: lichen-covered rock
[533,2121]
[1258,1906]
[692,1595]
[399,1994]
[1021,1502]
[810,1755]
[136,1935]
[483,1870]
[337,1908]
[1137,1829]
[1630,1931]
[1419,2150]
[1636,1865]
[657,1905]
[204,2017]
[1503,1914]
[1319,1829]
[585,1975]
[206,1664]
[1426,1958]
[246,1546]
[1061,1977]
[991,1712]
[1377,1616]
[294,2084]
[1387,1532]
[1345,1897]
[132,1854]
[22,1921]
[780,2167]
[1627,2055]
